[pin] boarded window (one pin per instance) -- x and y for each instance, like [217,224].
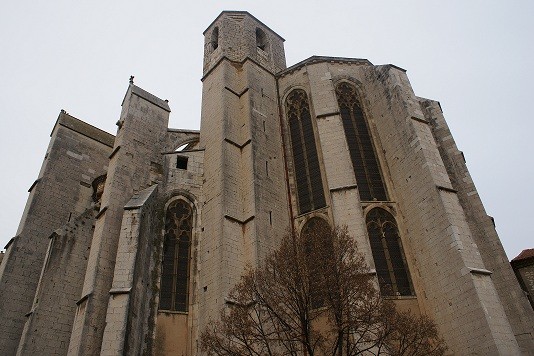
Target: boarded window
[388,254]
[362,153]
[174,293]
[310,193]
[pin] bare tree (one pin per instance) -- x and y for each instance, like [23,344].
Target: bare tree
[315,295]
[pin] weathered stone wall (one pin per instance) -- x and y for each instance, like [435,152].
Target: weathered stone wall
[135,163]
[516,306]
[131,307]
[450,278]
[47,329]
[452,282]
[237,42]
[245,200]
[76,155]
[177,332]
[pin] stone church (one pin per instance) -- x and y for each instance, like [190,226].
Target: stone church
[130,244]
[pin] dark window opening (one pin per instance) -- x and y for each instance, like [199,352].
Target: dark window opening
[174,292]
[364,161]
[215,38]
[317,243]
[388,254]
[261,39]
[181,162]
[310,193]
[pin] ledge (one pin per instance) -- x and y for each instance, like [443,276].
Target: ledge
[10,242]
[481,271]
[101,212]
[84,298]
[34,184]
[446,189]
[238,145]
[420,120]
[114,291]
[114,151]
[139,199]
[236,93]
[321,116]
[242,222]
[347,187]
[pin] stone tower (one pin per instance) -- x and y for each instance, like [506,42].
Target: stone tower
[245,194]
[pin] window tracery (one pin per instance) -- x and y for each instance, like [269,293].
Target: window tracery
[308,178]
[388,254]
[174,291]
[364,161]
[315,234]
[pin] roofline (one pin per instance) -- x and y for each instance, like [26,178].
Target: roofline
[63,114]
[241,13]
[319,59]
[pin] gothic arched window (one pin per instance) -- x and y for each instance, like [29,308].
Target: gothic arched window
[309,183]
[317,244]
[362,153]
[387,253]
[174,293]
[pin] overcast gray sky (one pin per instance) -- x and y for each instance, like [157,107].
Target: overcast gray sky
[475,57]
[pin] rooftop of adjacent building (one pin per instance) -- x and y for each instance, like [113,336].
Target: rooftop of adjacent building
[524,255]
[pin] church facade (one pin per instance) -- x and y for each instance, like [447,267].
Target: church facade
[130,244]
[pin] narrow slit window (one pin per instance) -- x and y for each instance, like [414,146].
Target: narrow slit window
[261,39]
[215,38]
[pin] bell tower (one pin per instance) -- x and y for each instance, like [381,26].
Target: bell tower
[238,36]
[245,210]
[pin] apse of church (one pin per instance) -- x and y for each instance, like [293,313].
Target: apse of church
[136,248]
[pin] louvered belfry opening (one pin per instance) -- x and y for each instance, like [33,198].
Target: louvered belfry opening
[174,292]
[309,183]
[388,254]
[364,161]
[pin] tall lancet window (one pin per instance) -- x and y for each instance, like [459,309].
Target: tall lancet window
[309,183]
[388,253]
[174,293]
[366,168]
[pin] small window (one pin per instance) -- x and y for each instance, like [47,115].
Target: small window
[261,39]
[215,38]
[181,162]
